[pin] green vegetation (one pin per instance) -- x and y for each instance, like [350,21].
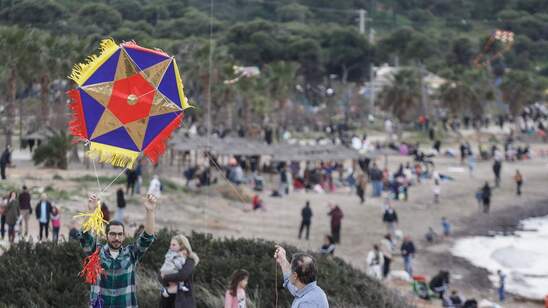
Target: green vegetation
[55,283]
[53,153]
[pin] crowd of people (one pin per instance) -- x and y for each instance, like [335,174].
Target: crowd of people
[367,180]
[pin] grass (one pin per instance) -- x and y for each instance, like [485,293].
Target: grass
[102,179]
[54,194]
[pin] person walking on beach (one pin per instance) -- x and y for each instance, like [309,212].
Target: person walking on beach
[497,167]
[518,178]
[120,204]
[501,286]
[306,215]
[408,253]
[5,160]
[336,221]
[361,186]
[12,215]
[26,209]
[387,247]
[376,180]
[390,219]
[486,197]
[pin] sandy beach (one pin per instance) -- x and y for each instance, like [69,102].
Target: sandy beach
[207,211]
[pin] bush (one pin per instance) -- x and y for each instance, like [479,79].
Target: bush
[53,153]
[45,275]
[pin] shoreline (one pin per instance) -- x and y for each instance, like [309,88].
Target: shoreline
[471,278]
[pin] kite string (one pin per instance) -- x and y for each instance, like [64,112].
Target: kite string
[122,172]
[224,177]
[96,176]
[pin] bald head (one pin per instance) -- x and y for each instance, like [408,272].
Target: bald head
[305,267]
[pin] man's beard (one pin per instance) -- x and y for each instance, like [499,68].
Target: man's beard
[115,245]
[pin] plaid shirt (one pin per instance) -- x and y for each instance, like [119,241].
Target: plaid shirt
[117,288]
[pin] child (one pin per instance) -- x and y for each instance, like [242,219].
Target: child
[55,223]
[173,263]
[437,191]
[235,296]
[446,226]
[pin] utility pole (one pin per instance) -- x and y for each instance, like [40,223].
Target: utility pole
[424,91]
[363,13]
[371,88]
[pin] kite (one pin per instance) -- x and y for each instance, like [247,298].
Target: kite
[490,51]
[129,100]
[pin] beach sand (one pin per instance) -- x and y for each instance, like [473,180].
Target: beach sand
[207,211]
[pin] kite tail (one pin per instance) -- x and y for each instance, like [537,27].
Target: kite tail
[92,267]
[95,222]
[158,146]
[77,124]
[82,71]
[115,156]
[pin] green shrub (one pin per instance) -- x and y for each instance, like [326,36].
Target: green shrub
[45,275]
[53,153]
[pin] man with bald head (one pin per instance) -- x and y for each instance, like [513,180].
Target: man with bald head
[300,280]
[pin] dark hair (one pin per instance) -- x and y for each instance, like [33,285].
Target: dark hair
[304,266]
[235,280]
[307,203]
[114,223]
[24,187]
[12,192]
[330,239]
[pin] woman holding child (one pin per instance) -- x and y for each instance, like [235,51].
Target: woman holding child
[176,274]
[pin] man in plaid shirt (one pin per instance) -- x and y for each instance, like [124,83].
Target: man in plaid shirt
[116,288]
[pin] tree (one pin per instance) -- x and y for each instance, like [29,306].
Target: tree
[19,50]
[402,98]
[293,12]
[462,52]
[106,17]
[281,82]
[36,12]
[348,54]
[518,90]
[51,66]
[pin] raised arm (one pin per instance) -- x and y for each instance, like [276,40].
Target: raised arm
[87,240]
[151,202]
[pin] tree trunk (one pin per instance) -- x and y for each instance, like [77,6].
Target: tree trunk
[10,108]
[44,95]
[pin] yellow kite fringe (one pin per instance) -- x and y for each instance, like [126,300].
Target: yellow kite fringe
[113,155]
[82,71]
[184,101]
[95,222]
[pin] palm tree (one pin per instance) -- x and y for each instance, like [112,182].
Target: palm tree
[54,63]
[462,97]
[281,80]
[402,98]
[19,52]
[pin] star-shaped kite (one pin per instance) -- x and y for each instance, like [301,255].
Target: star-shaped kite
[129,101]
